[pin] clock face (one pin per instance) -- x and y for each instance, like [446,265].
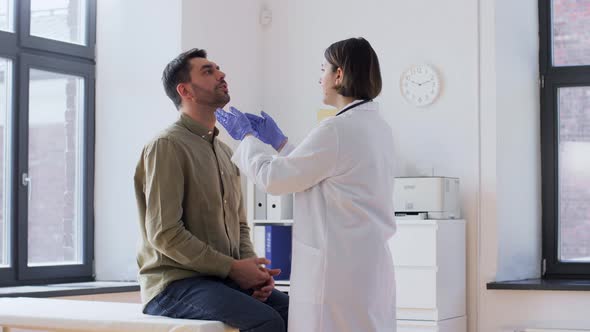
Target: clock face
[420,85]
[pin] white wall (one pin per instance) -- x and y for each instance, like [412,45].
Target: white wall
[443,136]
[518,140]
[230,32]
[483,129]
[133,46]
[510,236]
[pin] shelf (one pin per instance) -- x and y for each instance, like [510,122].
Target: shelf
[283,285]
[284,289]
[70,289]
[283,282]
[542,284]
[284,222]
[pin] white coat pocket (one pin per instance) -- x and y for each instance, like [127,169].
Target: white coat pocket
[307,273]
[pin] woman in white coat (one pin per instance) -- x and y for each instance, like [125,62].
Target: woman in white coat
[342,175]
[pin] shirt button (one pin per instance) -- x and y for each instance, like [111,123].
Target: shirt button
[210,133]
[225,201]
[204,136]
[221,172]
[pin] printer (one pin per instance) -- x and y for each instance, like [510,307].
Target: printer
[426,197]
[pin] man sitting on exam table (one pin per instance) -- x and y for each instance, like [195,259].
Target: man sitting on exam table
[196,260]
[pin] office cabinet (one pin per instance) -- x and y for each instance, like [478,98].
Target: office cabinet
[449,325]
[429,260]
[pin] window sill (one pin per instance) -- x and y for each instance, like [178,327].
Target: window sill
[542,284]
[73,289]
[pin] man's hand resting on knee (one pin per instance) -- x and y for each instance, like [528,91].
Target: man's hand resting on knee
[247,272]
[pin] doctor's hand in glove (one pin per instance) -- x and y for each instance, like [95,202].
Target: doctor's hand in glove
[248,273]
[263,291]
[267,130]
[235,122]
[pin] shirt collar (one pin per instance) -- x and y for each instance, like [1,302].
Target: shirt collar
[197,129]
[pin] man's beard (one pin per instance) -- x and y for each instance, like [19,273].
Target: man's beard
[217,98]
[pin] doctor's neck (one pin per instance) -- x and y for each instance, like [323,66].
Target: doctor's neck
[203,114]
[341,101]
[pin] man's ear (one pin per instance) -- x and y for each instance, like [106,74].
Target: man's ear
[183,91]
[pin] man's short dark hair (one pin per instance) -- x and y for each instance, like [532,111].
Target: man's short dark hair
[358,61]
[178,71]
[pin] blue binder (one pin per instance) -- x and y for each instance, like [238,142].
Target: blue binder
[277,248]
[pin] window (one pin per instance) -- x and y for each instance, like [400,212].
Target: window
[48,18]
[565,136]
[47,70]
[7,15]
[5,106]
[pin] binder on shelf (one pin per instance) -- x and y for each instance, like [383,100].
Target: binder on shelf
[259,204]
[279,207]
[274,243]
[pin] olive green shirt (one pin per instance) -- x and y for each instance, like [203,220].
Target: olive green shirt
[191,211]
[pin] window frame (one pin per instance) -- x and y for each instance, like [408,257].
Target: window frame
[8,40]
[552,79]
[68,67]
[9,274]
[55,46]
[35,52]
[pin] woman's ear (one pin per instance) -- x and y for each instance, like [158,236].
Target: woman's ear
[339,76]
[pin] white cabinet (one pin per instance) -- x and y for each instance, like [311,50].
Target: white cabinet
[429,259]
[450,325]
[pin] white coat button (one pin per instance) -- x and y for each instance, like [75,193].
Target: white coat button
[225,201]
[221,172]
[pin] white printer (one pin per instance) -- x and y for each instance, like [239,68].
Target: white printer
[427,197]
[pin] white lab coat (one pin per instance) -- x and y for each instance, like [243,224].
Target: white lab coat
[342,277]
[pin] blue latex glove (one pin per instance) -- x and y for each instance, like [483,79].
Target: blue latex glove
[235,122]
[267,130]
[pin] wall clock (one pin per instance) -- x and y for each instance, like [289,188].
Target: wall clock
[420,85]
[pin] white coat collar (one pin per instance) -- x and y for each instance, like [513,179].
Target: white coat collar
[370,106]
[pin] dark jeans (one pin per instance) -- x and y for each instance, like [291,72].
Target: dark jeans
[208,298]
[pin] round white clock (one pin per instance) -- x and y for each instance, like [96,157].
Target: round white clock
[420,85]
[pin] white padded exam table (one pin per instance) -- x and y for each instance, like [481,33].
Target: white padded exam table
[72,315]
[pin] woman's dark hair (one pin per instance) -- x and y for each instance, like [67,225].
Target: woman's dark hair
[360,65]
[179,71]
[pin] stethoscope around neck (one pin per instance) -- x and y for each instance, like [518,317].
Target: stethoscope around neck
[348,108]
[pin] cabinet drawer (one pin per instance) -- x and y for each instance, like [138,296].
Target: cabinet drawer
[416,326]
[416,287]
[425,293]
[458,324]
[414,245]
